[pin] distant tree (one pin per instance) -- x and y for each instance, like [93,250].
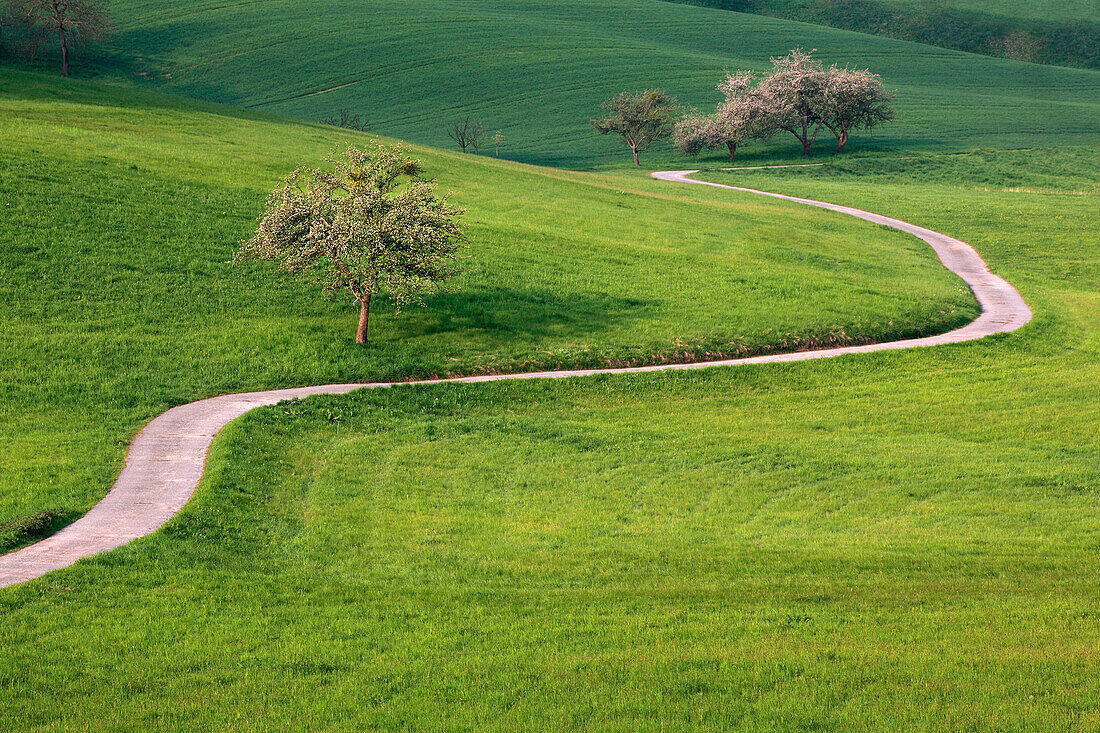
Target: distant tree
[498,138]
[797,93]
[346,119]
[357,230]
[467,133]
[640,119]
[743,115]
[855,99]
[73,22]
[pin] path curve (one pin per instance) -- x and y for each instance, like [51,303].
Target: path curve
[166,459]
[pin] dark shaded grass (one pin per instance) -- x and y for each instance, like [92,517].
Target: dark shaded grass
[1066,35]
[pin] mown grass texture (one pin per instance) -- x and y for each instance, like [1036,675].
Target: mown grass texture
[121,214]
[893,540]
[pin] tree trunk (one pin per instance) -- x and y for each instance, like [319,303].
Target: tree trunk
[733,149]
[635,151]
[806,150]
[840,140]
[64,52]
[364,317]
[804,138]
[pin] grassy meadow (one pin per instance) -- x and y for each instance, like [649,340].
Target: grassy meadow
[891,541]
[886,541]
[537,70]
[121,213]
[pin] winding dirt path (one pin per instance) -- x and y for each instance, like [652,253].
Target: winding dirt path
[166,459]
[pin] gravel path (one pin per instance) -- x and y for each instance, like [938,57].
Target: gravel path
[166,459]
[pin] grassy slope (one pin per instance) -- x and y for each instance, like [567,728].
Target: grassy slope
[890,541]
[538,69]
[119,300]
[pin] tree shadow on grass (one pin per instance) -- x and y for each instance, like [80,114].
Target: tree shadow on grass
[527,314]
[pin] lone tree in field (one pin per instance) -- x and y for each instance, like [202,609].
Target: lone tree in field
[361,229]
[467,133]
[855,99]
[73,22]
[743,115]
[641,119]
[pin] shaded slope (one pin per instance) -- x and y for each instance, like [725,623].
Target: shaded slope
[537,70]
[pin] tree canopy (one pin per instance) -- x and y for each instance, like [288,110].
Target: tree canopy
[640,119]
[855,99]
[743,115]
[800,96]
[370,225]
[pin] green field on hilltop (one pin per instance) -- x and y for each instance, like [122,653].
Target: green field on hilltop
[901,540]
[537,70]
[121,212]
[893,541]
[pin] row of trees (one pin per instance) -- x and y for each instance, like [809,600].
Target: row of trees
[799,96]
[27,26]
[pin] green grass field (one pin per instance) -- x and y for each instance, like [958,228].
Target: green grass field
[537,70]
[889,541]
[120,299]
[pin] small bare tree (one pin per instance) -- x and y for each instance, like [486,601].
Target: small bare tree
[347,119]
[855,99]
[640,119]
[467,133]
[73,22]
[353,231]
[498,138]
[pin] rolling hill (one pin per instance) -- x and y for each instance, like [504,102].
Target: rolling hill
[890,540]
[537,70]
[122,211]
[895,541]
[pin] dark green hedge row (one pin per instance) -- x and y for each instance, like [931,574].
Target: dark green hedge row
[1045,42]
